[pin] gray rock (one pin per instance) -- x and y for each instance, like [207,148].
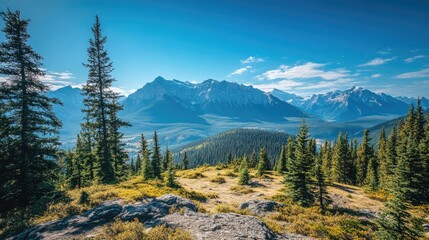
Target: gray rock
[219,226]
[260,206]
[92,220]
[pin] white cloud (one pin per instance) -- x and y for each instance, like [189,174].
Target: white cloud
[377,75]
[241,70]
[414,58]
[252,59]
[306,70]
[384,52]
[377,61]
[417,74]
[122,91]
[282,85]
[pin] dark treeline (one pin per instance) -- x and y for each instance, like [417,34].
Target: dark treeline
[232,144]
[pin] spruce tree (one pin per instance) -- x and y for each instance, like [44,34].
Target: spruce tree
[78,163]
[185,161]
[156,158]
[166,159]
[138,165]
[322,195]
[364,155]
[33,125]
[394,223]
[424,155]
[326,158]
[282,163]
[372,179]
[87,136]
[98,98]
[298,178]
[132,167]
[169,179]
[391,159]
[117,147]
[229,158]
[146,163]
[263,164]
[253,160]
[244,177]
[382,159]
[340,163]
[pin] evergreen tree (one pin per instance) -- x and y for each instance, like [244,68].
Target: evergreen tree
[138,165]
[185,161]
[372,180]
[166,159]
[326,157]
[263,164]
[298,178]
[32,124]
[364,155]
[117,147]
[132,167]
[424,155]
[146,163]
[244,177]
[391,159]
[253,160]
[98,98]
[170,175]
[382,159]
[322,195]
[394,223]
[69,163]
[78,163]
[87,148]
[156,158]
[282,163]
[340,163]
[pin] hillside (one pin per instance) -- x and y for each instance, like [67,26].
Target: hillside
[213,199]
[238,142]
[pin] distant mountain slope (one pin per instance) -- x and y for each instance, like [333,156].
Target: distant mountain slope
[70,113]
[410,100]
[348,105]
[238,142]
[187,102]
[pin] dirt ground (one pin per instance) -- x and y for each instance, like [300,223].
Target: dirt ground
[344,196]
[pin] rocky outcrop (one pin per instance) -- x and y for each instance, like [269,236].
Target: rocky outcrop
[91,221]
[260,206]
[159,211]
[219,226]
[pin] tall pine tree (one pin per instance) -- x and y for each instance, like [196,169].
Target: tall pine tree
[156,157]
[98,99]
[32,123]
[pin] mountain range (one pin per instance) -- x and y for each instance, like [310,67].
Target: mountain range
[183,112]
[348,105]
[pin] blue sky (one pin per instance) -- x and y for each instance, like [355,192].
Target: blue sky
[302,47]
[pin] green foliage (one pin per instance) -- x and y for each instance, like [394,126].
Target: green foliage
[244,174]
[364,155]
[84,198]
[322,195]
[156,158]
[298,178]
[185,161]
[223,147]
[263,164]
[282,162]
[29,127]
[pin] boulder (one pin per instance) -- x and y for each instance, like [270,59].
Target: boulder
[219,226]
[260,206]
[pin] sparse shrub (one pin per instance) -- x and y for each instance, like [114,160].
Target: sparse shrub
[195,174]
[230,174]
[241,189]
[84,198]
[218,179]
